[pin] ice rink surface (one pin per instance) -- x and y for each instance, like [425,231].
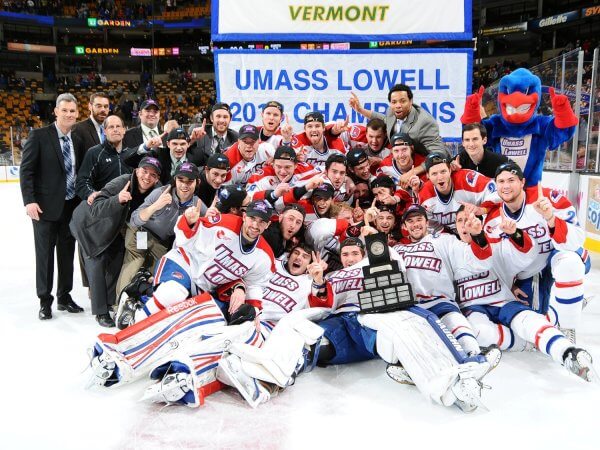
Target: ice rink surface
[533,404]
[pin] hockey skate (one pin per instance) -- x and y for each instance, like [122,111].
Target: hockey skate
[230,372]
[468,394]
[579,362]
[492,355]
[170,389]
[103,371]
[125,316]
[398,373]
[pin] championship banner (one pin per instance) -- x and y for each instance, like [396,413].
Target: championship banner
[305,81]
[335,20]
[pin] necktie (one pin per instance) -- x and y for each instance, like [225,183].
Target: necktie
[399,123]
[69,169]
[102,135]
[220,144]
[152,133]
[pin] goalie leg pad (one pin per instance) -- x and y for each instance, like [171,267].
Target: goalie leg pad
[458,325]
[284,353]
[142,346]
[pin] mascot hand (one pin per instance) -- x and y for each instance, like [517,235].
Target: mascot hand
[564,117]
[472,112]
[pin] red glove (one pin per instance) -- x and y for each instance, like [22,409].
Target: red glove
[472,112]
[564,117]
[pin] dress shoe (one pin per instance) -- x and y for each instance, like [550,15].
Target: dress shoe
[69,305]
[105,320]
[45,312]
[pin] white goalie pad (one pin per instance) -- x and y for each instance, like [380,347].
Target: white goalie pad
[143,346]
[190,374]
[276,361]
[408,338]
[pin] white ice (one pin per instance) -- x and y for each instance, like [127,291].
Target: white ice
[533,404]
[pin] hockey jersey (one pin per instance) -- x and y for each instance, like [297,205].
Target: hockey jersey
[214,249]
[432,262]
[286,293]
[356,137]
[324,235]
[265,179]
[242,170]
[567,234]
[316,158]
[468,186]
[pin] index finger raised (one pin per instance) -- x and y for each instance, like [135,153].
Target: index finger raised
[126,187]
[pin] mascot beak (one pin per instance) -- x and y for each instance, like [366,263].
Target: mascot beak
[518,107]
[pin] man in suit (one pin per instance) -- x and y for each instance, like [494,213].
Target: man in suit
[402,116]
[50,160]
[90,130]
[215,138]
[148,128]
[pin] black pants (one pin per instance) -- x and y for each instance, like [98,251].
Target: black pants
[49,235]
[102,272]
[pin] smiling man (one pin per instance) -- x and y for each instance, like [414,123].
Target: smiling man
[91,130]
[475,156]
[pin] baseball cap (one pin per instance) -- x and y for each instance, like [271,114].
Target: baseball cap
[435,158]
[259,209]
[324,190]
[220,105]
[189,170]
[149,104]
[218,161]
[178,133]
[352,241]
[385,207]
[286,153]
[511,167]
[230,196]
[414,209]
[149,161]
[248,131]
[401,138]
[314,116]
[356,157]
[383,181]
[273,104]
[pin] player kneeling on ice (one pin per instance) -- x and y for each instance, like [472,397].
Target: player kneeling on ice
[496,316]
[411,335]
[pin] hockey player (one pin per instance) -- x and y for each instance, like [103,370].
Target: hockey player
[359,166]
[314,145]
[403,163]
[384,191]
[497,317]
[284,169]
[445,191]
[274,130]
[372,139]
[248,155]
[551,221]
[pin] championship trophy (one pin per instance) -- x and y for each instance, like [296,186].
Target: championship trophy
[386,287]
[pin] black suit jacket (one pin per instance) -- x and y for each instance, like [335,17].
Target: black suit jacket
[86,131]
[42,176]
[201,150]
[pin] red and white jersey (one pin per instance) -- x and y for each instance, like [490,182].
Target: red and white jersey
[214,249]
[286,293]
[340,194]
[432,262]
[390,168]
[275,139]
[242,170]
[468,187]
[316,158]
[265,180]
[356,137]
[324,236]
[344,285]
[567,234]
[493,287]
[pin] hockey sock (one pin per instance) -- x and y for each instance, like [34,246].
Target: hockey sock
[568,271]
[534,328]
[490,333]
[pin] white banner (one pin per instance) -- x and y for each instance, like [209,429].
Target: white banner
[305,81]
[359,20]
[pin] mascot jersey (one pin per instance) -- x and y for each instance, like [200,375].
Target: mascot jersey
[518,132]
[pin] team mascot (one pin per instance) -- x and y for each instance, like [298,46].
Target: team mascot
[518,131]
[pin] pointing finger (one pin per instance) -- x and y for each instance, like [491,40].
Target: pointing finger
[540,191]
[126,187]
[552,92]
[356,204]
[203,123]
[168,189]
[481,91]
